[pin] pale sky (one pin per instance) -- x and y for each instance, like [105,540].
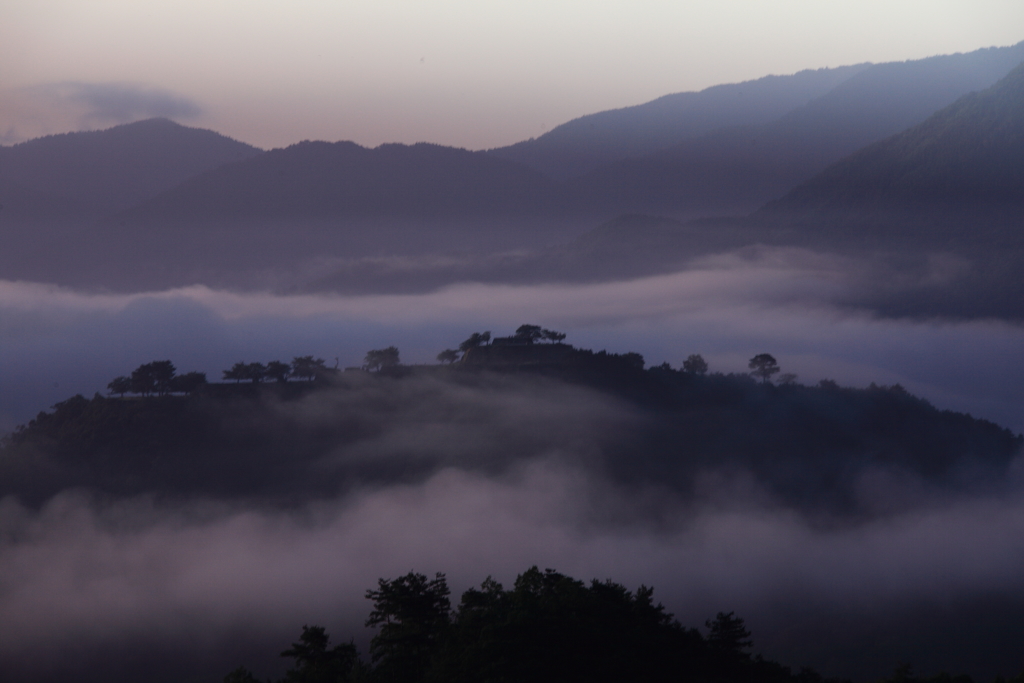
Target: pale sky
[468,73]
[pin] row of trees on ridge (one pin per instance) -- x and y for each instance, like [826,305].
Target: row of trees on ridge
[158,377]
[524,334]
[301,367]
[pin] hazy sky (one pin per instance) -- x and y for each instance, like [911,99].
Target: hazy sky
[471,73]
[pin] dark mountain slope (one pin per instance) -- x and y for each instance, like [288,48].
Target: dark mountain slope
[110,170]
[736,170]
[297,440]
[950,188]
[52,186]
[588,142]
[967,158]
[313,200]
[342,178]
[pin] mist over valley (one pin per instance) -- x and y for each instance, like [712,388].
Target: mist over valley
[858,504]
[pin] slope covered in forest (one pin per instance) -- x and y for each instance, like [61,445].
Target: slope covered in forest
[810,446]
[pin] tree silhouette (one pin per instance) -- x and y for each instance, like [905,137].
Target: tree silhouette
[152,378]
[188,382]
[307,367]
[277,370]
[157,377]
[695,364]
[378,359]
[315,663]
[529,333]
[763,366]
[241,675]
[633,359]
[548,628]
[120,385]
[552,336]
[238,371]
[728,634]
[475,339]
[254,372]
[412,613]
[448,356]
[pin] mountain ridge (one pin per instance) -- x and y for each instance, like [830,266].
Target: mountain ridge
[120,166]
[649,130]
[277,217]
[736,170]
[965,160]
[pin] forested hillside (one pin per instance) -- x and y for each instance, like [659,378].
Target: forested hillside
[286,441]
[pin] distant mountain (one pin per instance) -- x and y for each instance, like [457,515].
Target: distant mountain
[110,170]
[935,211]
[315,200]
[963,163]
[591,141]
[155,204]
[53,185]
[321,179]
[735,170]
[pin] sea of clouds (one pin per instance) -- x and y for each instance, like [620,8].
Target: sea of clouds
[189,589]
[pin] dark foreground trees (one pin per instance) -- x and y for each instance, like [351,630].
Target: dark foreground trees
[315,661]
[413,614]
[548,627]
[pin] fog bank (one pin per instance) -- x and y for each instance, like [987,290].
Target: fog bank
[84,576]
[56,342]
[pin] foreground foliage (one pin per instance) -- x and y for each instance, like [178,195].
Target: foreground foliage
[547,627]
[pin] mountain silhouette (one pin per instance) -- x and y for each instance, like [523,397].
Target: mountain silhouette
[735,170]
[933,181]
[314,200]
[110,170]
[342,178]
[155,204]
[588,142]
[53,186]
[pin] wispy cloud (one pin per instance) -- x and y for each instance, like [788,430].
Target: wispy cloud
[42,109]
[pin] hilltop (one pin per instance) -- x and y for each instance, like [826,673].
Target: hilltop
[507,403]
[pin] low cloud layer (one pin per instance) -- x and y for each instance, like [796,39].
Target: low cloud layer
[56,342]
[89,576]
[204,584]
